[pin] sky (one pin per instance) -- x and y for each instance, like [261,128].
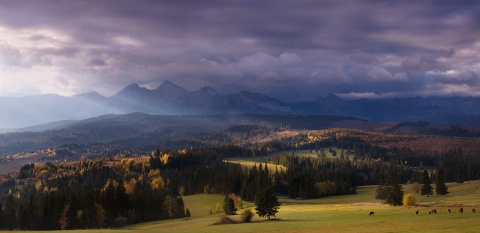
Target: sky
[291,50]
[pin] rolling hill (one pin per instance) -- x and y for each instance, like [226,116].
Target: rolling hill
[136,129]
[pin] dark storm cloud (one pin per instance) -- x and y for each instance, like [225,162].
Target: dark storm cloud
[288,49]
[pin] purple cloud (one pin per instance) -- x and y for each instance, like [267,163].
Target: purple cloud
[292,50]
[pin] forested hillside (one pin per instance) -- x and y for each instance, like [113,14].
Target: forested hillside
[110,134]
[118,132]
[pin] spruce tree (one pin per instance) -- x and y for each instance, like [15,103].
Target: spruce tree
[229,206]
[267,204]
[426,184]
[180,210]
[440,187]
[391,192]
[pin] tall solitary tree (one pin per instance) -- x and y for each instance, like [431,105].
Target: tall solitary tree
[426,184]
[391,192]
[267,204]
[440,187]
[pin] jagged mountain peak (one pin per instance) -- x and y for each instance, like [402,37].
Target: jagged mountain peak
[133,88]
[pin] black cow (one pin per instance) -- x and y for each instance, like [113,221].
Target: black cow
[449,211]
[473,210]
[371,213]
[461,210]
[416,213]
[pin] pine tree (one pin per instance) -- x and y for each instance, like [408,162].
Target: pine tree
[267,204]
[180,211]
[440,187]
[426,184]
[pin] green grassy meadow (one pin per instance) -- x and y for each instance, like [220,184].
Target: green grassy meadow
[248,162]
[340,213]
[333,214]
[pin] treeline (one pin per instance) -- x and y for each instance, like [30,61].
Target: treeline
[112,192]
[358,163]
[88,194]
[371,161]
[311,178]
[203,171]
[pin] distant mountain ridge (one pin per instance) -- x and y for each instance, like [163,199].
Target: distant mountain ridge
[436,110]
[171,99]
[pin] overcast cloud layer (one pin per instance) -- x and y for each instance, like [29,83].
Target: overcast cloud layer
[292,50]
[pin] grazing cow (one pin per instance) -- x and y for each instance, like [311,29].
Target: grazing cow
[371,213]
[416,213]
[449,211]
[461,210]
[473,210]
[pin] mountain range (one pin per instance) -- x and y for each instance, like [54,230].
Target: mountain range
[170,99]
